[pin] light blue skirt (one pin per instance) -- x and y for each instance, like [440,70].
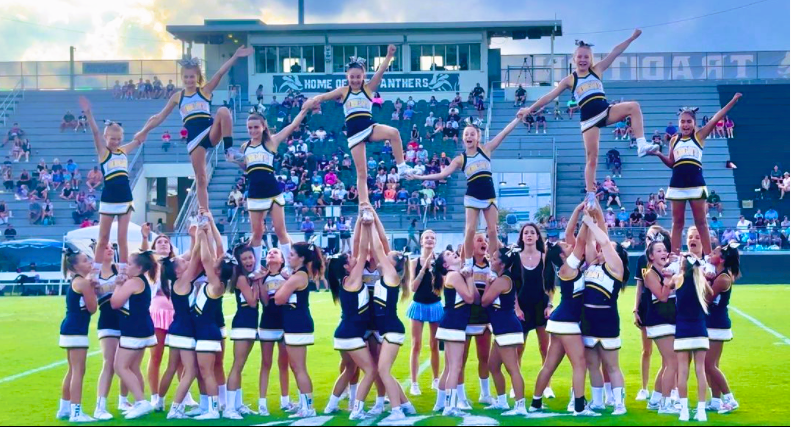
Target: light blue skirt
[431,313]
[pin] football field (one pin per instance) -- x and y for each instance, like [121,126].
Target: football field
[756,364]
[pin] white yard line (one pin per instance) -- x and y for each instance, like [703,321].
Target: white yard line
[755,321]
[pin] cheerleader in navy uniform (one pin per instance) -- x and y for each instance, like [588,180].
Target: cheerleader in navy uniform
[244,327]
[219,270]
[692,339]
[358,108]
[347,287]
[177,282]
[270,333]
[478,327]
[258,160]
[133,299]
[194,105]
[307,264]
[726,261]
[642,301]
[686,182]
[109,331]
[460,294]
[116,199]
[533,304]
[475,161]
[660,323]
[500,302]
[390,331]
[600,322]
[426,307]
[586,87]
[565,336]
[81,303]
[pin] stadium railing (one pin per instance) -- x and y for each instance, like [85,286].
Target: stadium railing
[9,102]
[191,202]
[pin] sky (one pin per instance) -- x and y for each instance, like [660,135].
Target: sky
[135,29]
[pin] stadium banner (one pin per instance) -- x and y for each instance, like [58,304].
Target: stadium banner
[392,82]
[664,66]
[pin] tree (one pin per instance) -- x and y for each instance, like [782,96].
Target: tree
[543,214]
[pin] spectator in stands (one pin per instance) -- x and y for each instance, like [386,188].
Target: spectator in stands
[766,184]
[377,101]
[308,228]
[8,179]
[68,192]
[729,125]
[614,162]
[166,141]
[670,131]
[650,217]
[321,205]
[69,121]
[117,92]
[352,195]
[395,119]
[387,151]
[776,175]
[439,127]
[411,155]
[48,213]
[430,120]
[422,154]
[480,107]
[10,232]
[636,218]
[402,196]
[169,89]
[330,178]
[541,121]
[414,134]
[76,179]
[758,216]
[571,107]
[623,217]
[381,179]
[519,97]
[408,113]
[785,223]
[321,133]
[477,91]
[613,193]
[22,192]
[720,129]
[398,105]
[94,178]
[714,202]
[432,103]
[716,224]
[728,236]
[82,122]
[529,122]
[36,213]
[656,138]
[4,212]
[24,178]
[235,202]
[336,197]
[771,214]
[743,226]
[455,102]
[393,176]
[390,194]
[413,204]
[610,218]
[620,130]
[42,166]
[785,187]
[410,103]
[376,197]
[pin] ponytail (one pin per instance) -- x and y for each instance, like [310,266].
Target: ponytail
[336,274]
[167,275]
[312,259]
[147,263]
[702,288]
[401,264]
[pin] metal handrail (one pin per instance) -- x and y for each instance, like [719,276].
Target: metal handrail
[190,203]
[9,101]
[554,177]
[489,111]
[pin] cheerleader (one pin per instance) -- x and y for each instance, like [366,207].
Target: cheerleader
[358,107]
[587,90]
[460,294]
[480,197]
[533,305]
[500,302]
[208,336]
[426,307]
[194,105]
[109,331]
[346,285]
[686,182]
[565,336]
[307,264]
[660,323]
[390,330]
[600,323]
[641,304]
[270,332]
[81,303]
[178,285]
[478,327]
[116,199]
[264,195]
[726,261]
[133,299]
[244,327]
[692,342]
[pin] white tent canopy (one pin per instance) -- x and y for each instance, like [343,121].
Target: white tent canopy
[82,236]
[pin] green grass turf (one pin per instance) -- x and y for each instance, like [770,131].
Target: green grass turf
[756,364]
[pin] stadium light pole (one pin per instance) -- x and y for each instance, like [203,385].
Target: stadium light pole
[71,67]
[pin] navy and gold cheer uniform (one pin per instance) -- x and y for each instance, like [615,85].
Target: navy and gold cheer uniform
[686,182]
[480,186]
[503,322]
[263,189]
[600,320]
[137,328]
[181,334]
[355,316]
[116,196]
[74,328]
[660,317]
[109,325]
[297,321]
[195,110]
[479,316]
[271,326]
[719,322]
[358,109]
[453,325]
[588,92]
[565,319]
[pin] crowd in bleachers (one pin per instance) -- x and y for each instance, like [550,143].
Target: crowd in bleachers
[147,89]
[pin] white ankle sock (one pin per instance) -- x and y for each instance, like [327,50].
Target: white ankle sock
[65,405]
[380,401]
[231,396]
[441,395]
[204,403]
[684,404]
[352,392]
[239,401]
[596,395]
[262,403]
[333,401]
[502,399]
[461,393]
[221,395]
[617,394]
[607,391]
[101,403]
[485,387]
[284,400]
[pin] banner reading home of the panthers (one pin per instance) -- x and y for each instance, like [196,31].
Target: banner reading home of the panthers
[392,82]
